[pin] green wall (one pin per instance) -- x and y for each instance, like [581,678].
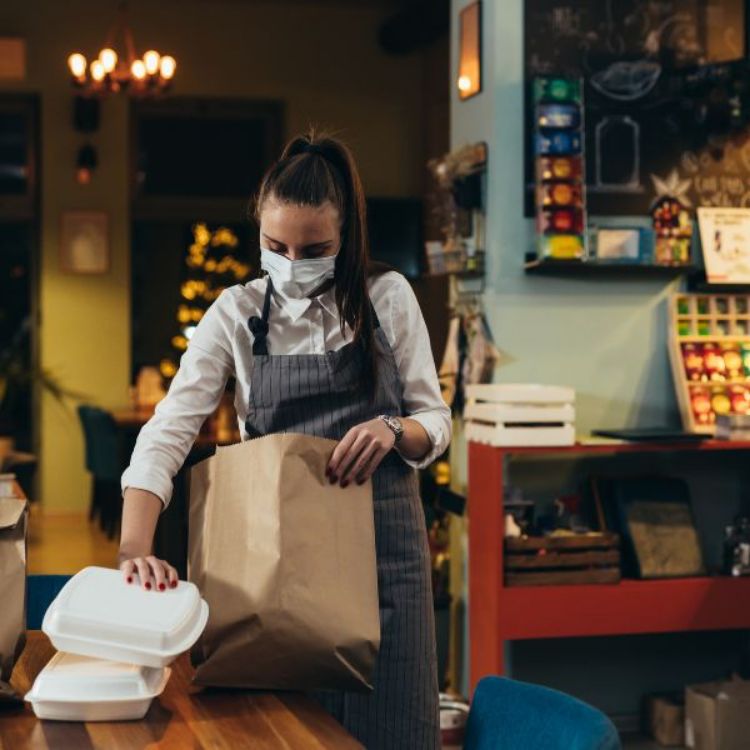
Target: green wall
[322,59]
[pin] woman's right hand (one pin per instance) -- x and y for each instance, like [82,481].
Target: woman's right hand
[140,511]
[153,573]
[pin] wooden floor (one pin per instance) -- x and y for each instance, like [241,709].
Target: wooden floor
[67,542]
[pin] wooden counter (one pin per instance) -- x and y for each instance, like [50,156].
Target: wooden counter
[184,716]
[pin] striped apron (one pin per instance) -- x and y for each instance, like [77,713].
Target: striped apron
[321,394]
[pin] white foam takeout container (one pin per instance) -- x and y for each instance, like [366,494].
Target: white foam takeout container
[98,614]
[80,688]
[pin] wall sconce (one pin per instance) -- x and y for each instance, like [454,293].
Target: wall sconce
[469,81]
[86,162]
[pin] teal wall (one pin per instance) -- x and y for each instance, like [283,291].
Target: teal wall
[605,339]
[608,340]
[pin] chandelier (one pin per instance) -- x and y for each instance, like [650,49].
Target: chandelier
[111,72]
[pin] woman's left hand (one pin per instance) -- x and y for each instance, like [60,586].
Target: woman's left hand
[360,452]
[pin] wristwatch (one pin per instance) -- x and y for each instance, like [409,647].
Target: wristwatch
[394,425]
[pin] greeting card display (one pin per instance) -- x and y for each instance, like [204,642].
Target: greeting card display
[560,186]
[709,347]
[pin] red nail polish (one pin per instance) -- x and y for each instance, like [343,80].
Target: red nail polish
[361,481]
[148,585]
[162,587]
[345,483]
[130,579]
[173,584]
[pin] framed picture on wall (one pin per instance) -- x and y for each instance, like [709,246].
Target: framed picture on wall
[470,51]
[84,242]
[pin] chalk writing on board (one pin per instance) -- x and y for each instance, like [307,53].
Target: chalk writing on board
[661,93]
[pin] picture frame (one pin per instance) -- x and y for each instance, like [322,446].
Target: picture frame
[84,242]
[654,517]
[469,78]
[725,244]
[622,245]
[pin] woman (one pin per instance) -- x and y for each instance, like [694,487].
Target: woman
[324,323]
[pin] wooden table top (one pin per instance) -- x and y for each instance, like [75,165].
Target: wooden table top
[184,716]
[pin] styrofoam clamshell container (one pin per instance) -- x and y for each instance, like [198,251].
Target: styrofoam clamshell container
[80,688]
[98,614]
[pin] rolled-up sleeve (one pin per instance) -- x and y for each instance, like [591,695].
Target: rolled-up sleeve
[416,366]
[194,394]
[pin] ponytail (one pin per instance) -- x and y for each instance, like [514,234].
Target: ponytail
[312,170]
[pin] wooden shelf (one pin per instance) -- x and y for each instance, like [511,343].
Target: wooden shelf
[498,613]
[588,269]
[630,607]
[697,282]
[610,447]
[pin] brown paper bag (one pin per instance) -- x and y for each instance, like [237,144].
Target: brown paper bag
[13,521]
[286,562]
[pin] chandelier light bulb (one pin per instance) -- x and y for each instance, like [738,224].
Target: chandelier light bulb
[108,58]
[77,65]
[151,61]
[97,70]
[167,67]
[138,69]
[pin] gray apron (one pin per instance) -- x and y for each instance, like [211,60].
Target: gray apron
[322,394]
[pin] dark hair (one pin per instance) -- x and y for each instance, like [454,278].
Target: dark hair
[313,169]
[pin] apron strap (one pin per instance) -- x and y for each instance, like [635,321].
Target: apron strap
[375,319]
[259,325]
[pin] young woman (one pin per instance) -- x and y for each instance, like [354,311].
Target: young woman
[357,368]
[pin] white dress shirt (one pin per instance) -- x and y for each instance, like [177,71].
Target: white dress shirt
[221,346]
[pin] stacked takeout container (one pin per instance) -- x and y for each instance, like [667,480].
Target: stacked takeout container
[115,642]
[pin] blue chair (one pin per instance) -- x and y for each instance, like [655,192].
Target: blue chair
[40,591]
[510,715]
[104,460]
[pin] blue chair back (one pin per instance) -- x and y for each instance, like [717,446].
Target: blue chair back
[510,715]
[103,457]
[40,592]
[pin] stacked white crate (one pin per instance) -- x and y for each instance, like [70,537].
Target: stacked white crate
[520,414]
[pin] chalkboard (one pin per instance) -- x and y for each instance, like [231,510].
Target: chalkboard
[665,96]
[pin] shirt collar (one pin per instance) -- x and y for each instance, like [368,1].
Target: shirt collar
[328,302]
[296,307]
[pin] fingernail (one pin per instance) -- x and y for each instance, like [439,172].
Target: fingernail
[361,481]
[345,483]
[333,479]
[148,584]
[173,584]
[162,587]
[130,579]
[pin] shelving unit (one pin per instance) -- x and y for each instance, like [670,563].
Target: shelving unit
[591,268]
[498,613]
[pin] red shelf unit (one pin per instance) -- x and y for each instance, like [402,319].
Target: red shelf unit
[498,613]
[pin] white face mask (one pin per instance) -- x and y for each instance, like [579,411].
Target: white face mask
[296,278]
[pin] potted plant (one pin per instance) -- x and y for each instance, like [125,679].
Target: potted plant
[18,376]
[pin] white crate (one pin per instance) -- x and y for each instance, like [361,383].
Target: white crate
[501,435]
[514,414]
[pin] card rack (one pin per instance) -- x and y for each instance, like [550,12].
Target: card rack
[709,348]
